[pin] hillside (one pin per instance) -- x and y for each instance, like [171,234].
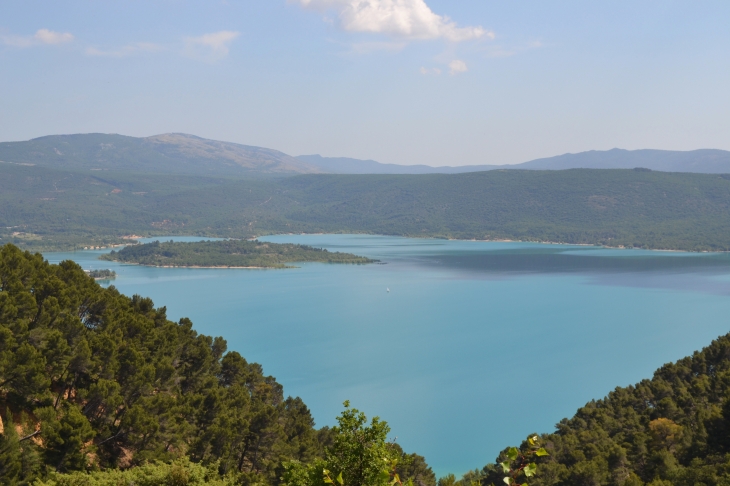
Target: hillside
[699,161]
[106,378]
[611,207]
[171,153]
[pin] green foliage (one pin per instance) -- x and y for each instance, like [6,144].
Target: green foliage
[518,463]
[227,253]
[180,472]
[100,380]
[448,480]
[360,456]
[359,451]
[10,452]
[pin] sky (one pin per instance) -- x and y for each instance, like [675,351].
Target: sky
[434,82]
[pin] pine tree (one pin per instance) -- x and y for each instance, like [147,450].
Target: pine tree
[10,454]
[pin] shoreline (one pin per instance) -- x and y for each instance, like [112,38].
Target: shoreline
[422,237]
[504,240]
[200,266]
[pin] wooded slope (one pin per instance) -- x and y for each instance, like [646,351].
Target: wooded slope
[610,207]
[101,380]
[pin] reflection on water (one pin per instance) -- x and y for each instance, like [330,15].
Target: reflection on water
[555,260]
[680,271]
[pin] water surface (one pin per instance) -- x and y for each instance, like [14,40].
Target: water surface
[476,345]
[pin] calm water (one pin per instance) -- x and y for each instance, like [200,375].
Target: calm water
[475,346]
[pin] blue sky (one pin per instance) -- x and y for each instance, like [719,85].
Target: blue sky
[398,81]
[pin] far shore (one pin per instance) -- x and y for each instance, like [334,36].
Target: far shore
[199,266]
[421,237]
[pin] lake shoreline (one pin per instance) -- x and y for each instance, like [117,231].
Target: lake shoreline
[199,266]
[501,240]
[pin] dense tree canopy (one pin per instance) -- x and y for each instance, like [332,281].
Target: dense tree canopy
[92,380]
[102,380]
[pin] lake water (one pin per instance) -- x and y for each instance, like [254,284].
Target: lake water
[476,345]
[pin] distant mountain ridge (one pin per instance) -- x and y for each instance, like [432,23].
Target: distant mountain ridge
[703,161]
[346,165]
[183,154]
[173,153]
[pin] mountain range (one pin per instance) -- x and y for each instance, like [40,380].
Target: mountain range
[177,153]
[171,153]
[704,161]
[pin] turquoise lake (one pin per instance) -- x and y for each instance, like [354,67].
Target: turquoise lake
[476,345]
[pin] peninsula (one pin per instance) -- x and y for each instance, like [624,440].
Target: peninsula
[227,254]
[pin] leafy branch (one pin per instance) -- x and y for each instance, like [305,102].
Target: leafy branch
[521,463]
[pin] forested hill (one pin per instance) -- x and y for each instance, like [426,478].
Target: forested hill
[44,208]
[227,253]
[671,430]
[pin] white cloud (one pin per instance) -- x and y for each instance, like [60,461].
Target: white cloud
[427,71]
[125,51]
[41,37]
[46,36]
[409,19]
[210,47]
[456,67]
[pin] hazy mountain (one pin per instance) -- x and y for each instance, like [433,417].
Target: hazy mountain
[346,165]
[172,153]
[177,153]
[708,161]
